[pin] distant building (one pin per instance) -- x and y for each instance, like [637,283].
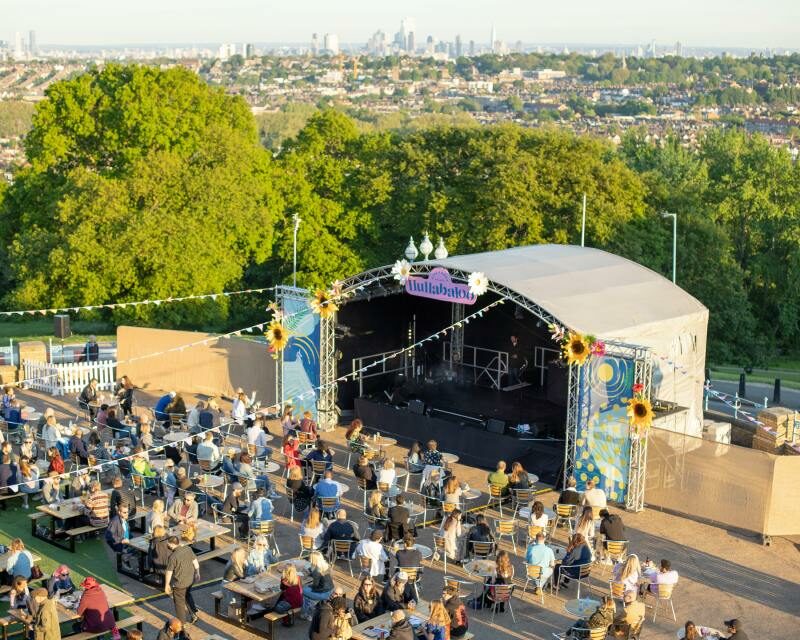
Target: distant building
[376,45]
[250,50]
[33,49]
[411,45]
[19,51]
[548,75]
[472,48]
[459,47]
[331,44]
[493,39]
[679,49]
[430,45]
[652,51]
[225,51]
[314,45]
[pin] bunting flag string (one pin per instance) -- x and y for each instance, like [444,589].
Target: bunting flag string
[724,399]
[122,305]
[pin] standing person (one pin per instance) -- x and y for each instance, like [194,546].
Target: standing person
[118,534]
[160,410]
[96,616]
[288,422]
[517,361]
[451,532]
[125,394]
[87,400]
[45,624]
[239,408]
[91,350]
[183,570]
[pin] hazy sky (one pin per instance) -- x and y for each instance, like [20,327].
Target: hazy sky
[729,23]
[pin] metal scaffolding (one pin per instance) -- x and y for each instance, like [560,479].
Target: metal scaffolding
[637,466]
[457,336]
[326,402]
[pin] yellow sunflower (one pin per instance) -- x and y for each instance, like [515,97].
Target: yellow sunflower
[576,349]
[323,304]
[277,335]
[640,414]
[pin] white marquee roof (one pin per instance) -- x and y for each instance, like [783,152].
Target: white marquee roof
[587,289]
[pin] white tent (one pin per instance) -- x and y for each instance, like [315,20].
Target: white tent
[596,292]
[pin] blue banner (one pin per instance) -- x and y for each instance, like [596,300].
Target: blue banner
[300,361]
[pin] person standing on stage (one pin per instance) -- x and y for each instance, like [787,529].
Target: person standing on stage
[517,362]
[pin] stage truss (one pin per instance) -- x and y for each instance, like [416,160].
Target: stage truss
[326,403]
[578,414]
[577,403]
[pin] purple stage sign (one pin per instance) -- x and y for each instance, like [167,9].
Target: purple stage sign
[439,286]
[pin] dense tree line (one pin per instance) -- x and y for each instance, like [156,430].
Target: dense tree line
[145,183]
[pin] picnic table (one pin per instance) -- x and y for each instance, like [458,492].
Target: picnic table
[205,532]
[67,605]
[379,626]
[70,509]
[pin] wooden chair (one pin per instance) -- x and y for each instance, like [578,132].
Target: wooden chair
[534,530]
[413,577]
[506,528]
[502,595]
[496,495]
[329,506]
[306,545]
[521,498]
[663,593]
[341,550]
[565,513]
[482,550]
[438,546]
[533,572]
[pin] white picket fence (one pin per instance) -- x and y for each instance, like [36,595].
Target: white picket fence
[69,377]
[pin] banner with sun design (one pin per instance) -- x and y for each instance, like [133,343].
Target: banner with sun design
[300,358]
[602,446]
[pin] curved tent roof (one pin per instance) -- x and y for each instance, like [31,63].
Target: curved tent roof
[587,289]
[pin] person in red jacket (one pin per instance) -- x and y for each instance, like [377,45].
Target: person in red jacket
[96,615]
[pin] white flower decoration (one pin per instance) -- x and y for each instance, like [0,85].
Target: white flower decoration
[401,271]
[478,283]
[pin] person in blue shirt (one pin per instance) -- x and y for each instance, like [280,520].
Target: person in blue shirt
[118,534]
[229,466]
[322,452]
[60,583]
[540,555]
[260,507]
[91,351]
[160,410]
[14,416]
[20,560]
[260,557]
[578,553]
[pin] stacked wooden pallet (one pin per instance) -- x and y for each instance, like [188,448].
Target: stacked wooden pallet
[776,422]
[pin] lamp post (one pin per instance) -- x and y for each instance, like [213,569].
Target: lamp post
[674,217]
[411,252]
[297,221]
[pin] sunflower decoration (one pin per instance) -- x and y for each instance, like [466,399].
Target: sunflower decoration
[277,336]
[640,412]
[576,349]
[323,304]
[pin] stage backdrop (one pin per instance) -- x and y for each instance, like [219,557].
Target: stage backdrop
[301,363]
[602,448]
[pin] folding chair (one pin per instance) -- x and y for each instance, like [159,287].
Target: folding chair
[565,513]
[663,594]
[341,550]
[413,577]
[496,495]
[306,545]
[502,595]
[533,572]
[506,528]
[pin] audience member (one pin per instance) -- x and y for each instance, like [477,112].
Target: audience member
[95,615]
[367,603]
[340,529]
[373,549]
[45,624]
[398,593]
[540,555]
[593,496]
[321,586]
[459,621]
[570,493]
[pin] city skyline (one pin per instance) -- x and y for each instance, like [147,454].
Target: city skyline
[771,23]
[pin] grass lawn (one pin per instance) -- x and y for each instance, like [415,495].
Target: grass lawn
[90,557]
[42,328]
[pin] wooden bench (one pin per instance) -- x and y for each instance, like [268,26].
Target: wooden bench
[7,496]
[216,553]
[122,625]
[79,531]
[218,596]
[274,616]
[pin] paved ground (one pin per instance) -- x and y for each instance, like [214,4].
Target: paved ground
[722,574]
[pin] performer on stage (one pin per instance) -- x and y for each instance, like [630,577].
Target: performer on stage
[517,361]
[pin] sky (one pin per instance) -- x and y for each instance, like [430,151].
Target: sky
[725,23]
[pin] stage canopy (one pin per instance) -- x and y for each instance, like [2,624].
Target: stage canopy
[599,293]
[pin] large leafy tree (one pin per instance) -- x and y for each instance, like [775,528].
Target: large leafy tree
[142,184]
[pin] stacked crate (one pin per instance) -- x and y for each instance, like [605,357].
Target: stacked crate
[776,422]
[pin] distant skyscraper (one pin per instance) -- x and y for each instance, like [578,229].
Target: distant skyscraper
[32,48]
[226,51]
[249,50]
[411,44]
[331,44]
[493,41]
[315,45]
[429,45]
[679,49]
[19,51]
[652,51]
[471,48]
[459,47]
[407,26]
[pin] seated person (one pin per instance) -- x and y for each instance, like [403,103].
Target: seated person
[120,429]
[160,410]
[633,611]
[578,554]
[237,508]
[538,517]
[96,506]
[260,507]
[387,475]
[414,458]
[499,477]
[19,597]
[184,509]
[77,446]
[297,490]
[665,575]
[260,557]
[321,453]
[518,479]
[570,494]
[611,526]
[602,617]
[479,533]
[373,549]
[19,561]
[230,466]
[540,555]
[307,424]
[375,506]
[95,614]
[431,456]
[593,496]
[327,488]
[363,470]
[248,476]
[367,602]
[314,527]
[60,583]
[236,567]
[340,529]
[457,610]
[398,593]
[408,555]
[208,452]
[257,437]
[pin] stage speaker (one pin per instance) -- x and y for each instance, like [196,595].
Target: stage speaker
[61,328]
[417,407]
[493,425]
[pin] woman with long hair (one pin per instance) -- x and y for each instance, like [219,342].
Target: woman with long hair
[312,526]
[297,490]
[585,525]
[375,506]
[628,573]
[578,554]
[538,516]
[291,590]
[321,585]
[291,450]
[451,493]
[518,478]
[157,516]
[236,568]
[414,457]
[354,431]
[690,631]
[451,531]
[28,479]
[438,625]
[125,394]
[367,603]
[287,421]
[503,574]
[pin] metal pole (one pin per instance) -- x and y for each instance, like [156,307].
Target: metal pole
[296,219]
[583,222]
[674,247]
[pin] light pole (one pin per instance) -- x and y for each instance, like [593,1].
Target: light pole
[674,217]
[297,221]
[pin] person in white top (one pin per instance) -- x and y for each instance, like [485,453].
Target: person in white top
[387,474]
[207,450]
[51,433]
[538,516]
[373,549]
[239,409]
[665,575]
[593,496]
[193,417]
[256,436]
